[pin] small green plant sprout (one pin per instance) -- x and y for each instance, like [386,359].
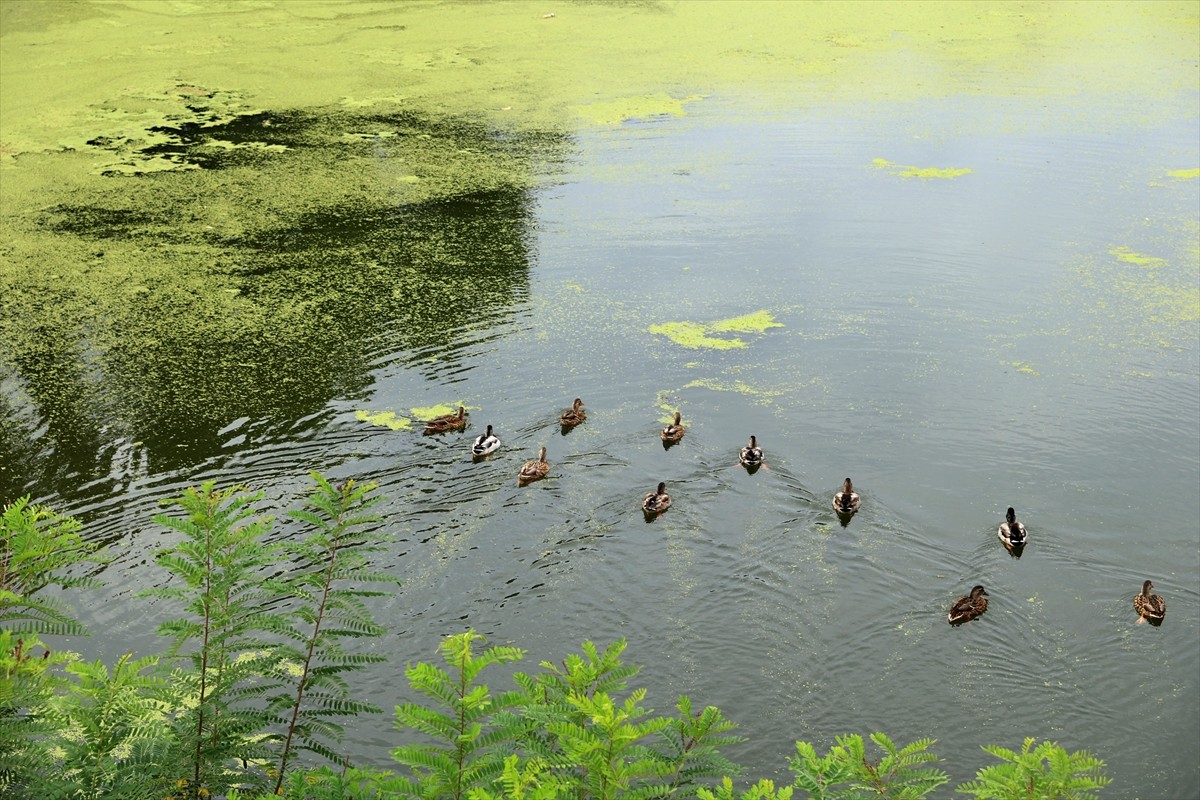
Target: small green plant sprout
[1045,772]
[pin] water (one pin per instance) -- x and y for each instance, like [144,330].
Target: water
[956,346]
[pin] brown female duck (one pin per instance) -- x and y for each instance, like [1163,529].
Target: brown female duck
[573,415]
[673,432]
[448,422]
[534,470]
[968,607]
[1149,606]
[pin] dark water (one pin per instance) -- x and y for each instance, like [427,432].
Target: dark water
[956,346]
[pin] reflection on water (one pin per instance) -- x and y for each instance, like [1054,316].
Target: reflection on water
[267,316]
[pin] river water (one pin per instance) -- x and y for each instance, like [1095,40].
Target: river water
[959,315]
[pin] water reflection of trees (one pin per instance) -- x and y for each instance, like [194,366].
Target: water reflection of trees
[248,291]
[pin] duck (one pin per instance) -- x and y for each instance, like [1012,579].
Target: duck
[573,415]
[534,470]
[968,607]
[1011,532]
[485,443]
[847,500]
[1150,606]
[657,501]
[448,422]
[673,432]
[751,455]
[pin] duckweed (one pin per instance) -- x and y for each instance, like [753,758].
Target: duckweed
[696,335]
[383,419]
[924,173]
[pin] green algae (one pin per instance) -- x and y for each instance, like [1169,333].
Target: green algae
[1024,368]
[695,335]
[208,208]
[736,386]
[1184,174]
[754,322]
[384,419]
[426,413]
[615,112]
[1130,257]
[925,173]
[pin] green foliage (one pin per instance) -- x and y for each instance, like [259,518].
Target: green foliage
[467,721]
[763,790]
[846,773]
[1047,772]
[326,609]
[216,716]
[572,729]
[111,741]
[28,685]
[38,548]
[531,781]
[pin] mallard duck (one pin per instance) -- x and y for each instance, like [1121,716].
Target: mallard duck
[1150,606]
[1011,532]
[485,443]
[968,607]
[447,422]
[847,500]
[573,415]
[657,501]
[673,432]
[533,470]
[751,455]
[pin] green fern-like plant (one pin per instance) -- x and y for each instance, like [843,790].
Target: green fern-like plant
[29,683]
[38,548]
[763,790]
[472,727]
[217,713]
[1045,772]
[329,567]
[110,739]
[606,746]
[846,773]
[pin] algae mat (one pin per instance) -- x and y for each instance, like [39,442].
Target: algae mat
[217,209]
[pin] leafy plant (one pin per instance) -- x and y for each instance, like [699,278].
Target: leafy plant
[327,611]
[846,772]
[467,721]
[1047,771]
[28,685]
[38,548]
[220,561]
[110,739]
[610,747]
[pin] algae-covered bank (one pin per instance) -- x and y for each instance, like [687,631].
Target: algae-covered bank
[215,210]
[950,250]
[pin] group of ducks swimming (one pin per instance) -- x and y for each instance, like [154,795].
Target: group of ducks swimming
[1150,607]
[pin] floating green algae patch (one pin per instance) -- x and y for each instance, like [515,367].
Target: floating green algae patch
[920,172]
[1130,257]
[1024,368]
[426,413]
[384,419]
[740,387]
[695,335]
[614,112]
[1184,174]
